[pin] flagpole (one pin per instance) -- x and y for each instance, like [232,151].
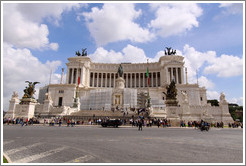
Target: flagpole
[148,98]
[148,76]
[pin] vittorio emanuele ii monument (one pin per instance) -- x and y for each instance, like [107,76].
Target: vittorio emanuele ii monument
[156,90]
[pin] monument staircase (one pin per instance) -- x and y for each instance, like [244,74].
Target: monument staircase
[102,114]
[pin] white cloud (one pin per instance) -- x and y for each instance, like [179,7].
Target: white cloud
[194,60]
[238,101]
[222,66]
[115,22]
[54,46]
[37,12]
[19,65]
[173,19]
[213,95]
[22,24]
[129,54]
[203,81]
[134,54]
[232,8]
[226,66]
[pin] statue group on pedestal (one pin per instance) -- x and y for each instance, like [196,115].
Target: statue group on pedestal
[171,91]
[30,90]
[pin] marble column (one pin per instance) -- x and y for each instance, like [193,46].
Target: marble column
[135,80]
[156,84]
[139,80]
[106,80]
[171,73]
[72,75]
[81,75]
[167,76]
[97,79]
[93,79]
[101,79]
[130,80]
[114,79]
[126,80]
[110,80]
[143,79]
[68,73]
[182,75]
[176,75]
[152,78]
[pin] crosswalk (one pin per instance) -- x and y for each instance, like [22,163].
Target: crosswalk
[52,154]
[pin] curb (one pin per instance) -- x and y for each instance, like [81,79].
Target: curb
[7,158]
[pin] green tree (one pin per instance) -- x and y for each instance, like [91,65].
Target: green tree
[233,108]
[213,102]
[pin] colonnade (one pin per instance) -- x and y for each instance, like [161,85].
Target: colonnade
[132,80]
[176,74]
[75,73]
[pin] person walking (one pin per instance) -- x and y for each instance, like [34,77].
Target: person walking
[8,120]
[60,122]
[140,124]
[26,121]
[158,123]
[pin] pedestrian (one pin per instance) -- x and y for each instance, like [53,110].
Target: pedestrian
[140,125]
[60,121]
[8,120]
[26,121]
[22,121]
[158,123]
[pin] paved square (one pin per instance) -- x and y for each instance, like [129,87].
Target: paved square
[94,144]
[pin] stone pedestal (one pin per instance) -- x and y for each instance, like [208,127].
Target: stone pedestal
[26,109]
[171,102]
[225,115]
[185,112]
[172,114]
[46,107]
[12,107]
[118,94]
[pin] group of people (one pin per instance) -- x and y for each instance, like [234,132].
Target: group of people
[139,122]
[22,121]
[151,122]
[235,125]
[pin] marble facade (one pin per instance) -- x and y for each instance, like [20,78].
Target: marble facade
[98,87]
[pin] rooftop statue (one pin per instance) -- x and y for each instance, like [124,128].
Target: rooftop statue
[120,71]
[170,51]
[30,90]
[84,52]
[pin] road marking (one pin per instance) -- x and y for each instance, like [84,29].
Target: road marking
[81,159]
[38,156]
[21,148]
[7,142]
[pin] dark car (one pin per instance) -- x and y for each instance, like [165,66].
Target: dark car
[111,122]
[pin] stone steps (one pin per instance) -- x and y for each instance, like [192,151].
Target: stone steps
[101,113]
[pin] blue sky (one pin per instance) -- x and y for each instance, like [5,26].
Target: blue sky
[38,38]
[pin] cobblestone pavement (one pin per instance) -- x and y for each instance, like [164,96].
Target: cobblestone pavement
[94,144]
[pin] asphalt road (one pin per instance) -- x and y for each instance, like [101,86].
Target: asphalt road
[94,144]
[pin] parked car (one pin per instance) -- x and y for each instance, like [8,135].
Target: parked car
[111,122]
